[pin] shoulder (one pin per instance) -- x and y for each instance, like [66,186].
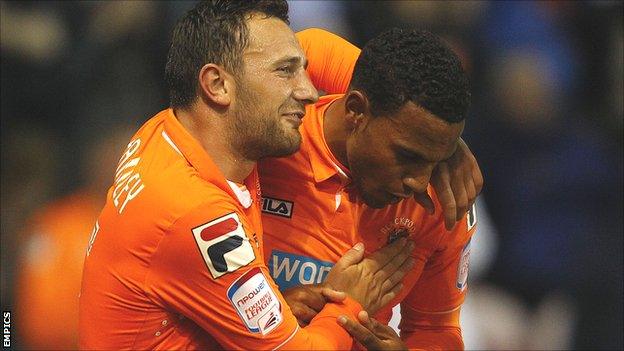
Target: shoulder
[155,185]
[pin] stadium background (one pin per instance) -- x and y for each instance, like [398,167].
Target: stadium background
[546,125]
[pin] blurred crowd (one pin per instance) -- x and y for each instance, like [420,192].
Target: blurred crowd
[546,125]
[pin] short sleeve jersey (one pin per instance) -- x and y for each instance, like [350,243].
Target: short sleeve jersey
[311,216]
[175,260]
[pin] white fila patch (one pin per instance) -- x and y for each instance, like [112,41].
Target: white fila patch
[256,302]
[462,269]
[277,207]
[224,245]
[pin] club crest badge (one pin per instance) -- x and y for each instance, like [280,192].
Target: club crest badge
[399,228]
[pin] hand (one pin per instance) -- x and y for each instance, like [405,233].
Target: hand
[457,181]
[375,280]
[372,334]
[306,301]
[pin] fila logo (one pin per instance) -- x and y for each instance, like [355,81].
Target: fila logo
[224,245]
[277,207]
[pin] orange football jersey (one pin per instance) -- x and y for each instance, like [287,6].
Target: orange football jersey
[175,260]
[311,216]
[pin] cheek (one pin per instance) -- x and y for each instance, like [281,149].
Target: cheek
[272,92]
[379,162]
[264,93]
[375,168]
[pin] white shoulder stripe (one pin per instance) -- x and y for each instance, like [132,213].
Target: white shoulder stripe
[168,140]
[288,339]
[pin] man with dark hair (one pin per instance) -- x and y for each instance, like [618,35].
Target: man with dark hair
[175,260]
[366,160]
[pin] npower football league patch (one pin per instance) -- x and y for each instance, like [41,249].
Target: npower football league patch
[256,302]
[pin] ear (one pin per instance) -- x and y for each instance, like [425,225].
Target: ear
[357,108]
[216,84]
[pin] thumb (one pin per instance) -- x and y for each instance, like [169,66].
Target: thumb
[351,257]
[332,295]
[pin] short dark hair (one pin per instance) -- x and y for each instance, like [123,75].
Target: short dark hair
[411,65]
[213,31]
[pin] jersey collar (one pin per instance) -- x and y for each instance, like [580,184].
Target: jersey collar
[195,154]
[324,164]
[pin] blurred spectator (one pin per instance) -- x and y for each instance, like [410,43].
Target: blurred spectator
[50,264]
[70,72]
[29,172]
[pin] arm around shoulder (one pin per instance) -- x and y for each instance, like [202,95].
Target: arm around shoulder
[331,59]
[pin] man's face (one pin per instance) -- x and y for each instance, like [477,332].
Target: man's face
[272,91]
[391,157]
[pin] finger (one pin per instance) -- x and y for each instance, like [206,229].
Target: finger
[332,295]
[303,313]
[396,263]
[398,276]
[360,333]
[442,185]
[365,320]
[471,190]
[390,295]
[381,257]
[309,295]
[351,257]
[425,201]
[459,191]
[314,299]
[476,174]
[372,324]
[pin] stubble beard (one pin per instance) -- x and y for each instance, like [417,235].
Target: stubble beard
[256,134]
[366,196]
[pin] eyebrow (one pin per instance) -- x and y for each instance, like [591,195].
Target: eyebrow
[415,153]
[293,60]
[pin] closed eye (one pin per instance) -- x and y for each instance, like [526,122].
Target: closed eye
[410,156]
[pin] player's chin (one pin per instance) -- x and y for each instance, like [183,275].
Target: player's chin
[289,145]
[374,200]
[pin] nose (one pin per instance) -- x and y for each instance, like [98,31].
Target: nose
[304,90]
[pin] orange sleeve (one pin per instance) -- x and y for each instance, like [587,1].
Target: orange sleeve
[426,331]
[430,312]
[208,267]
[331,59]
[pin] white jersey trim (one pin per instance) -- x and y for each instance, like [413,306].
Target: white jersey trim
[443,312]
[168,140]
[288,339]
[243,196]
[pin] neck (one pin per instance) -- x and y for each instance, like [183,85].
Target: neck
[335,130]
[208,128]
